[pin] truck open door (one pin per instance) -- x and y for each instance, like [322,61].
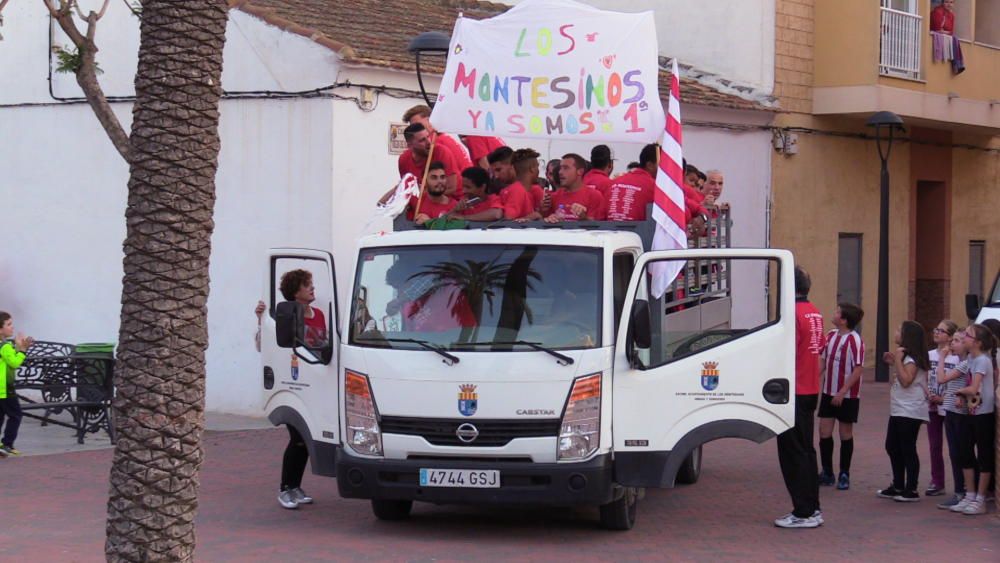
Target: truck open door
[703,362]
[299,351]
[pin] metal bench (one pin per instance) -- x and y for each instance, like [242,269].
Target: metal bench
[78,383]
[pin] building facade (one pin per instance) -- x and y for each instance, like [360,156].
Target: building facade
[837,63]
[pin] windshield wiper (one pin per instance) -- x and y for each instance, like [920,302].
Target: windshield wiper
[563,359]
[450,359]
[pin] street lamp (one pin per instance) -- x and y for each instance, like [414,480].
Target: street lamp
[887,125]
[433,43]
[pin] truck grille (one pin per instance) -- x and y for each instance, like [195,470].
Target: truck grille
[492,433]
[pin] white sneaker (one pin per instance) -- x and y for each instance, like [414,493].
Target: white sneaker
[299,495]
[793,521]
[975,507]
[818,515]
[960,507]
[287,499]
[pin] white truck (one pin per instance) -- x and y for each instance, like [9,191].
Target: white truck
[528,364]
[988,308]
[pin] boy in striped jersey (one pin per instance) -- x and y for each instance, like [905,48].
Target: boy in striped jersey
[843,360]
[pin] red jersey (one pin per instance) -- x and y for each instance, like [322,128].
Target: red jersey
[491,201]
[692,202]
[629,195]
[537,195]
[315,333]
[599,180]
[587,197]
[480,147]
[808,346]
[456,148]
[407,163]
[942,20]
[516,201]
[841,354]
[429,208]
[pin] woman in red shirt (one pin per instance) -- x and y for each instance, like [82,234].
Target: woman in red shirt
[943,18]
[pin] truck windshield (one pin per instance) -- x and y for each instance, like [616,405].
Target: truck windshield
[478,298]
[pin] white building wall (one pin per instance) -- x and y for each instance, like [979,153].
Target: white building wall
[732,38]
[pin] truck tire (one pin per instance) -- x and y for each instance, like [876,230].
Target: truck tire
[690,470]
[620,514]
[392,509]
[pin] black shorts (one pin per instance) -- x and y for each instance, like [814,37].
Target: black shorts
[846,412]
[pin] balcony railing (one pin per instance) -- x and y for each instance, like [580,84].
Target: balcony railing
[900,44]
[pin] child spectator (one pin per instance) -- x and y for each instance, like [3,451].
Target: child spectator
[942,355]
[843,361]
[954,415]
[979,428]
[12,351]
[907,410]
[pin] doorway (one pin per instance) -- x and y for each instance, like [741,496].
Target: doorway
[930,286]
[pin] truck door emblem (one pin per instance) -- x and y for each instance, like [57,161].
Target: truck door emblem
[710,375]
[467,433]
[468,400]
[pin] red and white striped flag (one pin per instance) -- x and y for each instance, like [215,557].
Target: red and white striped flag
[668,208]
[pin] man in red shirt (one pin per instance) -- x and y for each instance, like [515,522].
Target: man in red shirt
[477,204]
[501,167]
[601,166]
[574,201]
[796,453]
[422,114]
[522,197]
[435,202]
[414,160]
[630,193]
[481,147]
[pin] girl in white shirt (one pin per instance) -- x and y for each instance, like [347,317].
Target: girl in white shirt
[908,409]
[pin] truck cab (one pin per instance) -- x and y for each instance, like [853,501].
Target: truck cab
[526,364]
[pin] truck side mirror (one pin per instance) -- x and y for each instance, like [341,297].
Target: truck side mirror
[639,327]
[972,306]
[289,324]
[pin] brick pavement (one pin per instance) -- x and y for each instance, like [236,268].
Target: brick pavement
[54,511]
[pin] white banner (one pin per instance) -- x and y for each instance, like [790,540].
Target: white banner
[553,69]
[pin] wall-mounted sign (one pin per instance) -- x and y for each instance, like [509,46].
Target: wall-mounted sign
[397,144]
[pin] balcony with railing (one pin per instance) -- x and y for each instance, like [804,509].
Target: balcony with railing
[900,48]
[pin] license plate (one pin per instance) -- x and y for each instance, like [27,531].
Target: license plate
[462,478]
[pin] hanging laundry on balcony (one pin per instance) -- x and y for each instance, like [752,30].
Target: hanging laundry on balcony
[945,46]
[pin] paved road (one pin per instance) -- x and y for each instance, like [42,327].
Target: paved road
[53,508]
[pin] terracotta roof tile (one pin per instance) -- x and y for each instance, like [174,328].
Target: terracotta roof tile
[377,32]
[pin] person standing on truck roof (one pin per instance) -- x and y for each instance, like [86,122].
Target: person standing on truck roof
[843,358]
[501,168]
[631,193]
[574,201]
[480,148]
[477,205]
[297,285]
[422,114]
[796,453]
[414,160]
[601,166]
[525,191]
[436,202]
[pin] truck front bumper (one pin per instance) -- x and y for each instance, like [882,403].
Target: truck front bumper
[558,484]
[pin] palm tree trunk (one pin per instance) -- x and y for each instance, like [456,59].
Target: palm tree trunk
[160,373]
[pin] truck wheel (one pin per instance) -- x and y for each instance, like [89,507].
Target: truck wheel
[620,514]
[690,470]
[391,509]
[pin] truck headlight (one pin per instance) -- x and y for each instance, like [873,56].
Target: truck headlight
[580,431]
[363,434]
